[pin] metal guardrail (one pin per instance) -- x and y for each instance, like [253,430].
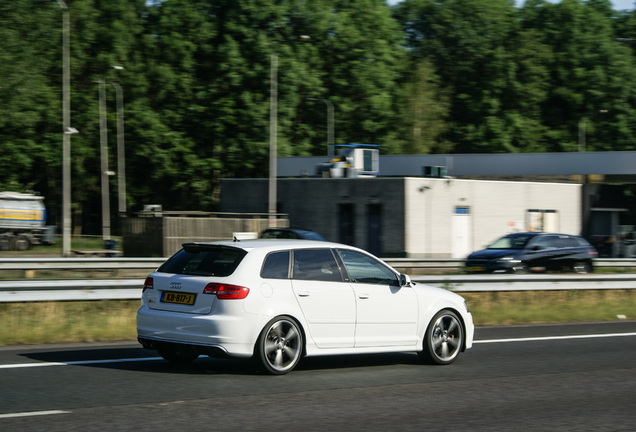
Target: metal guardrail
[80,263]
[457,263]
[121,289]
[150,264]
[67,290]
[127,289]
[529,282]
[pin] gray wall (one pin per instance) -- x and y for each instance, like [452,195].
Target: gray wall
[163,236]
[316,204]
[621,164]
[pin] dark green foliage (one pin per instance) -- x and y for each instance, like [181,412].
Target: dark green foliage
[424,76]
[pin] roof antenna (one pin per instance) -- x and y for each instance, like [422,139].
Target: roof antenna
[236,240]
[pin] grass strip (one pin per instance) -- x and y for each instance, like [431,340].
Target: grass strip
[114,320]
[538,307]
[72,321]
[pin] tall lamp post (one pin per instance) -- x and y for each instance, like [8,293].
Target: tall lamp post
[273,133]
[121,149]
[273,125]
[67,130]
[330,127]
[103,152]
[121,161]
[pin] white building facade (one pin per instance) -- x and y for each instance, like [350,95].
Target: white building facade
[416,217]
[451,218]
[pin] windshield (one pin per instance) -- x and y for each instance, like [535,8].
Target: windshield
[513,241]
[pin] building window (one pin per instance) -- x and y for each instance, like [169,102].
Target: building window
[538,220]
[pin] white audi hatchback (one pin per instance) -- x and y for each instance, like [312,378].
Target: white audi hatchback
[280,300]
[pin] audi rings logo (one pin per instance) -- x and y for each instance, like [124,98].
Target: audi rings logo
[175,285]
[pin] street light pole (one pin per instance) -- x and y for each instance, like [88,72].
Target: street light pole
[121,150]
[273,120]
[103,151]
[273,133]
[330,125]
[67,131]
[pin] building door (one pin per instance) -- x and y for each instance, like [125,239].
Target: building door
[346,225]
[374,229]
[461,232]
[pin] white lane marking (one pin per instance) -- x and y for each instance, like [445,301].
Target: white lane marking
[546,338]
[80,362]
[140,359]
[32,413]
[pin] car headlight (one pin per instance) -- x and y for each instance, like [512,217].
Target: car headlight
[509,259]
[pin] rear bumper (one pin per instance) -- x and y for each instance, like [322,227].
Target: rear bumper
[212,334]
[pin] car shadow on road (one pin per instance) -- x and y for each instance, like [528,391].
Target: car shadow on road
[138,359]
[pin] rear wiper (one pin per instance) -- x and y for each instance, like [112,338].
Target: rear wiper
[196,273]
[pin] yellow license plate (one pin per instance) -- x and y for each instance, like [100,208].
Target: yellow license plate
[177,297]
[478,269]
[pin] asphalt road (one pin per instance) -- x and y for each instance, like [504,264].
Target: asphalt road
[542,378]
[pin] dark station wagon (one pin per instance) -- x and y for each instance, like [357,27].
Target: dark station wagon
[536,252]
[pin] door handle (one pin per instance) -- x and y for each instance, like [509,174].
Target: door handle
[303,294]
[363,296]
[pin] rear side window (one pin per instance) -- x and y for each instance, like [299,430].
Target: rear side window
[276,266]
[568,242]
[204,260]
[582,242]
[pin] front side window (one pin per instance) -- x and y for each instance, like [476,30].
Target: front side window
[316,264]
[362,268]
[514,241]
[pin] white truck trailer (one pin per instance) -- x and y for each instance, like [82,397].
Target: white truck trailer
[22,221]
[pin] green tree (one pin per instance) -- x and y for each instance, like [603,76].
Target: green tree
[425,111]
[470,42]
[363,61]
[589,72]
[31,110]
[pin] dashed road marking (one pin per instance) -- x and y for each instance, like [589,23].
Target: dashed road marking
[32,414]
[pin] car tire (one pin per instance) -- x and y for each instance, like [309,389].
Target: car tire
[178,354]
[5,243]
[444,339]
[521,268]
[582,267]
[22,243]
[279,346]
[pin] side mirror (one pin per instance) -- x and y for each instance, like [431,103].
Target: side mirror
[405,280]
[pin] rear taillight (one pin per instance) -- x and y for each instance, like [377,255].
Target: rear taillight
[148,284]
[226,292]
[593,253]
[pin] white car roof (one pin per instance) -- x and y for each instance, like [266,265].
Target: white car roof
[275,244]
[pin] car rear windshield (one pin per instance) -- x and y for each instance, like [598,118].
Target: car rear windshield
[203,260]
